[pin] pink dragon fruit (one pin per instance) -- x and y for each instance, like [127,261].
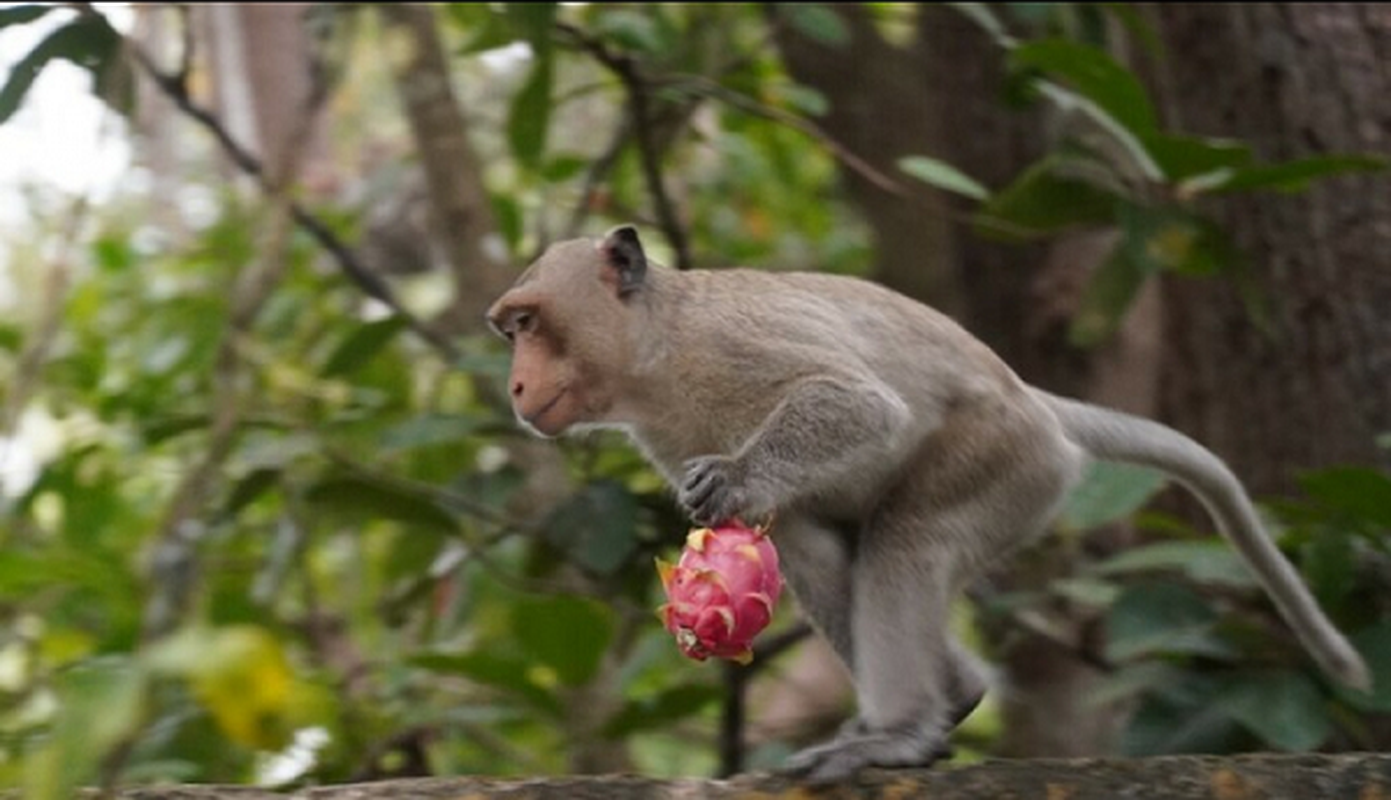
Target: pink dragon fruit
[722,591]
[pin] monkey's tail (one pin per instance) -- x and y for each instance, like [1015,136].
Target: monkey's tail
[1111,435]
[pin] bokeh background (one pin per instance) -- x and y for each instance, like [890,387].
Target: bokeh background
[265,517]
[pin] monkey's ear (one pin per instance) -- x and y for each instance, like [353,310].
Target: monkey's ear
[622,252]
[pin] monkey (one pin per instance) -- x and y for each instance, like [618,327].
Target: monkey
[900,455]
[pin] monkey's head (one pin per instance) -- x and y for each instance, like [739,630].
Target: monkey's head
[568,319]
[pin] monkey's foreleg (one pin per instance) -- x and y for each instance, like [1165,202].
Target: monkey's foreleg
[829,434]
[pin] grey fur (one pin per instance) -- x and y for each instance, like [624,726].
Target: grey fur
[899,453]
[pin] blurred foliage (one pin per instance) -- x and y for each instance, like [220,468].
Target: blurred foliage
[359,587]
[1191,642]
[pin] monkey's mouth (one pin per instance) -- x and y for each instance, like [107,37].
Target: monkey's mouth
[533,419]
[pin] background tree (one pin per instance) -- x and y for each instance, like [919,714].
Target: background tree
[281,528]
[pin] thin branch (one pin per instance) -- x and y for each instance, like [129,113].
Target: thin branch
[29,369]
[774,646]
[709,88]
[503,525]
[736,680]
[187,49]
[174,567]
[598,171]
[638,89]
[175,87]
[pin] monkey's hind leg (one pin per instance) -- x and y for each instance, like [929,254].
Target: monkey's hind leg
[910,680]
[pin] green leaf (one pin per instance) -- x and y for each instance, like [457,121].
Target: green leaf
[491,365]
[491,669]
[1153,240]
[1374,643]
[1167,238]
[1183,157]
[597,527]
[1109,492]
[114,253]
[671,705]
[1138,27]
[818,22]
[1093,74]
[1132,680]
[1086,591]
[569,634]
[1041,203]
[88,41]
[1209,561]
[359,495]
[11,338]
[1326,561]
[429,430]
[1138,160]
[1285,709]
[249,488]
[1157,618]
[982,15]
[508,213]
[1361,493]
[534,21]
[100,704]
[21,14]
[1295,176]
[944,176]
[484,28]
[360,346]
[1207,251]
[22,573]
[563,168]
[632,30]
[1163,726]
[530,116]
[806,100]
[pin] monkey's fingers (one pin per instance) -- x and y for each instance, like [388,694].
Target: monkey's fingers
[704,480]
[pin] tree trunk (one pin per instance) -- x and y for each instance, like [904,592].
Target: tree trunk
[460,214]
[1294,80]
[879,109]
[462,222]
[260,58]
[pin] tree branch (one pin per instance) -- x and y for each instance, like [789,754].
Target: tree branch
[736,678]
[639,109]
[175,87]
[713,89]
[597,172]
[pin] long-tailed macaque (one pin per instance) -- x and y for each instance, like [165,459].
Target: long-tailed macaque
[899,454]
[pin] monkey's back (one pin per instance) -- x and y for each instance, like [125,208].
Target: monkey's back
[799,321]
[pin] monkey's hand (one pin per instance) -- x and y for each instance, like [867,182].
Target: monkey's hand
[718,488]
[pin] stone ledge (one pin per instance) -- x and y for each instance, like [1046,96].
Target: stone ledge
[1355,776]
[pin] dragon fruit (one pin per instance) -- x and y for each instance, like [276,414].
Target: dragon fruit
[722,592]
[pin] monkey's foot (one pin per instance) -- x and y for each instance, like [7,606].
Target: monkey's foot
[848,753]
[855,727]
[964,709]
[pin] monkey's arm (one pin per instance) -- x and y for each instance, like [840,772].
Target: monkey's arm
[821,436]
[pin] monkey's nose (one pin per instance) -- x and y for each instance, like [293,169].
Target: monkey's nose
[517,389]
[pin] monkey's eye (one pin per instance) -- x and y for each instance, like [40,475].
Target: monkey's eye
[519,321]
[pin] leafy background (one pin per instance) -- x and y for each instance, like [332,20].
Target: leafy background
[280,529]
